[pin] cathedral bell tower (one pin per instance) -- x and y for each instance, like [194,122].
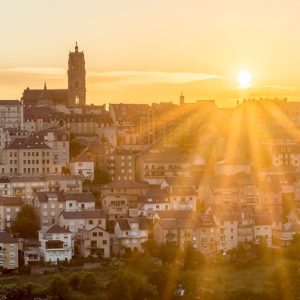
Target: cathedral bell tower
[76,78]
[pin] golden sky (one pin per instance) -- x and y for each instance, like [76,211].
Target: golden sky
[149,51]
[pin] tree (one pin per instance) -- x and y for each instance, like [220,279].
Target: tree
[59,288]
[127,285]
[192,259]
[88,283]
[101,176]
[170,252]
[74,281]
[27,223]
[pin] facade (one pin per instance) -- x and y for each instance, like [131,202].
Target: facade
[94,241]
[130,233]
[121,165]
[76,220]
[11,114]
[58,142]
[154,200]
[28,156]
[197,230]
[56,244]
[49,205]
[8,252]
[118,197]
[84,167]
[9,209]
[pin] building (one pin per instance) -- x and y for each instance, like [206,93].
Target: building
[49,205]
[121,165]
[198,230]
[154,167]
[94,241]
[119,197]
[154,200]
[59,142]
[9,209]
[74,95]
[28,156]
[9,247]
[130,233]
[86,219]
[84,166]
[76,78]
[11,114]
[56,244]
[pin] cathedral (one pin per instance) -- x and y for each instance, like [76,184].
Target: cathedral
[73,96]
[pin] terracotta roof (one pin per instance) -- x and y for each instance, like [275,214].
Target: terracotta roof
[56,229]
[125,224]
[80,197]
[126,185]
[175,214]
[11,201]
[27,143]
[44,196]
[84,214]
[6,238]
[32,96]
[10,102]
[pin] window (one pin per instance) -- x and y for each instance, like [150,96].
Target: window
[91,222]
[94,233]
[104,242]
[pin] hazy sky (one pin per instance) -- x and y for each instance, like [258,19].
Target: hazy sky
[150,50]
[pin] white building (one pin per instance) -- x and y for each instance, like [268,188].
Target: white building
[56,244]
[84,167]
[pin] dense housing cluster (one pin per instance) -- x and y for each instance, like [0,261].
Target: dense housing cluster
[103,180]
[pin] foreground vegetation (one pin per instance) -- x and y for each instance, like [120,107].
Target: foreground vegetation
[247,272]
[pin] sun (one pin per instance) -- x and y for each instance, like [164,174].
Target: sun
[244,79]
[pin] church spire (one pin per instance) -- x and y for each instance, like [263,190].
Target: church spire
[45,85]
[76,47]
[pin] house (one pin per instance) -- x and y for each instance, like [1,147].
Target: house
[79,201]
[154,167]
[56,244]
[224,191]
[93,241]
[228,230]
[85,219]
[198,230]
[183,198]
[66,183]
[263,229]
[49,205]
[9,247]
[84,166]
[233,166]
[154,200]
[119,196]
[9,209]
[130,233]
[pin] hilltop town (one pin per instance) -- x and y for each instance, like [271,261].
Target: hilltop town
[96,181]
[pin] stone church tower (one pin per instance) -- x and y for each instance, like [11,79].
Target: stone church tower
[76,78]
